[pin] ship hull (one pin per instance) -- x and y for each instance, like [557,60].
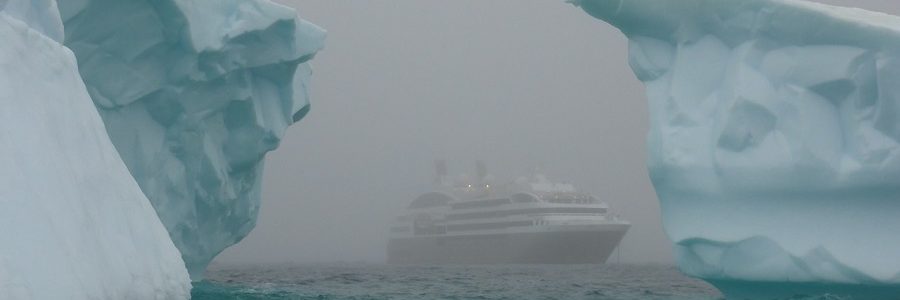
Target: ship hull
[584,245]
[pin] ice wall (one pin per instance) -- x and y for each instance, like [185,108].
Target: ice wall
[73,223]
[193,94]
[774,144]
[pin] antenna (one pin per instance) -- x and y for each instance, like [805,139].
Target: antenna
[440,171]
[480,170]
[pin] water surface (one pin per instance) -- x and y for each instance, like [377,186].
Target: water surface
[366,281]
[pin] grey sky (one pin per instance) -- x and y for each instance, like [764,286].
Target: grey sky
[516,83]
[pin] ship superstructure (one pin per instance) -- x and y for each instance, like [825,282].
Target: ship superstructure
[530,220]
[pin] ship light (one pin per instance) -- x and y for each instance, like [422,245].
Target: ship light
[487,186]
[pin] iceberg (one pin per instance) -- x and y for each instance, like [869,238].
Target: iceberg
[774,143]
[75,224]
[193,95]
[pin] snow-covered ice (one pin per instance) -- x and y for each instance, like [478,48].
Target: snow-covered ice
[73,223]
[774,143]
[193,94]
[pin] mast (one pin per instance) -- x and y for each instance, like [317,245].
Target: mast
[440,172]
[480,171]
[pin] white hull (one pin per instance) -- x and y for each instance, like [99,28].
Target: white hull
[566,244]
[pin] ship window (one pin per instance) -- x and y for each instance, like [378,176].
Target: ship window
[488,226]
[524,198]
[425,226]
[562,198]
[480,203]
[430,200]
[526,211]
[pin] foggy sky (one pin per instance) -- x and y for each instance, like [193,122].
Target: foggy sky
[517,83]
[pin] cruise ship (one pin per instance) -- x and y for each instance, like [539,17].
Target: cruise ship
[528,221]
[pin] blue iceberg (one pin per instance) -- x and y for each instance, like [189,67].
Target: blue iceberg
[74,223]
[193,95]
[127,202]
[774,143]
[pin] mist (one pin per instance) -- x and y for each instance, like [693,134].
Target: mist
[517,84]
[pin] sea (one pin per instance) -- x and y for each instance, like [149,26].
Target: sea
[361,281]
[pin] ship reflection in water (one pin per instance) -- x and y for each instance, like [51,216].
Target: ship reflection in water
[530,220]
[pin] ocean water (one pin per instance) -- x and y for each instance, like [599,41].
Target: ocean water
[370,282]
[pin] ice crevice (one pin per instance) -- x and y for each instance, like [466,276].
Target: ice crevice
[193,94]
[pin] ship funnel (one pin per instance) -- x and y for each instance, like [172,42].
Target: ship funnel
[440,171]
